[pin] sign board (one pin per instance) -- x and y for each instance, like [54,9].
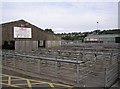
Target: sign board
[22,32]
[92,39]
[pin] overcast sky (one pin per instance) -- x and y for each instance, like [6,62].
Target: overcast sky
[63,16]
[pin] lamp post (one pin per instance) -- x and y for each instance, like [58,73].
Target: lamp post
[97,29]
[97,25]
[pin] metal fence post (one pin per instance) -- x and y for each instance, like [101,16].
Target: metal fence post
[118,61]
[105,80]
[77,73]
[39,66]
[5,58]
[25,67]
[1,58]
[56,68]
[14,61]
[111,55]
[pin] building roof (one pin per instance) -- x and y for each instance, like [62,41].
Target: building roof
[21,21]
[103,36]
[37,33]
[26,23]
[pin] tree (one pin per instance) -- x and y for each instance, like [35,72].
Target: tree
[49,30]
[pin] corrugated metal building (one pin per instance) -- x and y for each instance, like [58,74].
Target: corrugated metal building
[21,35]
[106,38]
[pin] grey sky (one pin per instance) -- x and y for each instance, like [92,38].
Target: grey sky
[63,16]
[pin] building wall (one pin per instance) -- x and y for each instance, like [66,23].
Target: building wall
[53,37]
[52,44]
[26,45]
[0,36]
[37,34]
[108,40]
[100,39]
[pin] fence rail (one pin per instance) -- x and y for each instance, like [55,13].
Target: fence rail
[100,70]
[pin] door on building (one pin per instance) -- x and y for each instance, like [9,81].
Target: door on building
[41,43]
[12,45]
[117,40]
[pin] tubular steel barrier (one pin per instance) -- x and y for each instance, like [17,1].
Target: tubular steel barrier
[87,69]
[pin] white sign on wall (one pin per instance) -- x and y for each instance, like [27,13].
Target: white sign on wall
[22,32]
[92,39]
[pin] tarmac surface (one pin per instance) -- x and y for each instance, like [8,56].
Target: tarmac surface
[11,79]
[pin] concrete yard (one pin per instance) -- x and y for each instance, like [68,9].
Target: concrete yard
[15,79]
[76,66]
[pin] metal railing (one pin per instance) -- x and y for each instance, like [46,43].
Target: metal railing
[85,71]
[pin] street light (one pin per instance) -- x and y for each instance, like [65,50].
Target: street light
[97,25]
[97,30]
